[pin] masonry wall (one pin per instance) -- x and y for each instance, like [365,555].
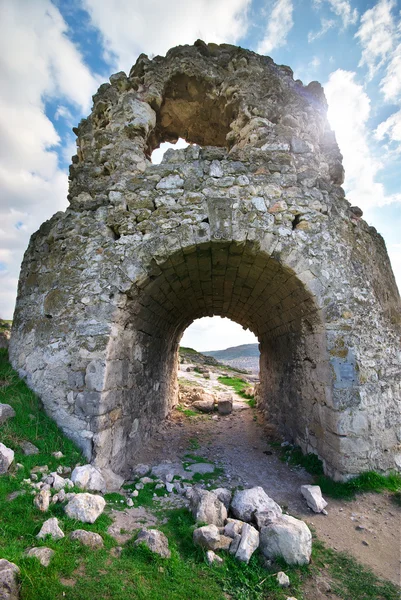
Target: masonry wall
[253,226]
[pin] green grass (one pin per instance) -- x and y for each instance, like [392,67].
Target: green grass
[349,579]
[239,385]
[136,573]
[366,482]
[188,412]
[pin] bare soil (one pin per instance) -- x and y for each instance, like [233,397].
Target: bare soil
[368,528]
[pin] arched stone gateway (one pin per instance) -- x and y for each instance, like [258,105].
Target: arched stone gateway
[253,225]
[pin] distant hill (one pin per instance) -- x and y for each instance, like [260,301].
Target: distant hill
[189,355]
[245,356]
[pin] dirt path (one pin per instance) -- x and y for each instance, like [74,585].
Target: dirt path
[369,527]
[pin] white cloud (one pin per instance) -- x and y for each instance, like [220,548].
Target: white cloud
[342,8]
[279,24]
[390,85]
[377,35]
[325,25]
[37,62]
[390,129]
[216,333]
[129,27]
[349,110]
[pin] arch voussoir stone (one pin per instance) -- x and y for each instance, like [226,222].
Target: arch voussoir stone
[248,222]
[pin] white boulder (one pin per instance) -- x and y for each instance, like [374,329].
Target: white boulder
[212,557]
[155,540]
[246,502]
[89,478]
[87,538]
[248,543]
[207,508]
[209,537]
[6,412]
[51,527]
[43,555]
[282,579]
[59,483]
[42,500]
[9,575]
[313,497]
[289,538]
[6,458]
[233,527]
[85,507]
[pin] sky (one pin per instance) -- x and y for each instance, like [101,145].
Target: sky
[54,54]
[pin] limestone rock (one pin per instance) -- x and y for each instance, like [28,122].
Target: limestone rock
[224,495]
[28,448]
[59,483]
[235,544]
[155,540]
[42,500]
[87,538]
[207,508]
[51,527]
[113,481]
[248,543]
[9,575]
[88,478]
[205,406]
[233,527]
[140,470]
[225,404]
[289,538]
[85,507]
[313,497]
[6,458]
[6,412]
[282,579]
[246,502]
[43,555]
[208,536]
[212,557]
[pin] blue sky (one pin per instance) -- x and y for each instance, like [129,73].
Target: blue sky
[54,55]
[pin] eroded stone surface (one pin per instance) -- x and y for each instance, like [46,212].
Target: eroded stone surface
[155,540]
[250,224]
[9,576]
[6,412]
[43,555]
[246,503]
[85,507]
[288,538]
[87,538]
[6,458]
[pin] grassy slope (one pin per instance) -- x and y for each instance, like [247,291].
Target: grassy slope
[137,573]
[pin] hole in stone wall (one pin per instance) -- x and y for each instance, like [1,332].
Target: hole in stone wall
[193,109]
[157,154]
[296,221]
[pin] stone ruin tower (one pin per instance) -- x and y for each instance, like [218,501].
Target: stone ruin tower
[248,222]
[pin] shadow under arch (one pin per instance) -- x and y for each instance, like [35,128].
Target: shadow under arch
[228,279]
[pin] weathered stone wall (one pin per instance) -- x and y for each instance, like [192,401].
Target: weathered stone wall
[251,224]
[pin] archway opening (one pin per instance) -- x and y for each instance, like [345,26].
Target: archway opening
[229,279]
[195,110]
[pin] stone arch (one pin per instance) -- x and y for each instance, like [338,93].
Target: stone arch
[264,190]
[230,279]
